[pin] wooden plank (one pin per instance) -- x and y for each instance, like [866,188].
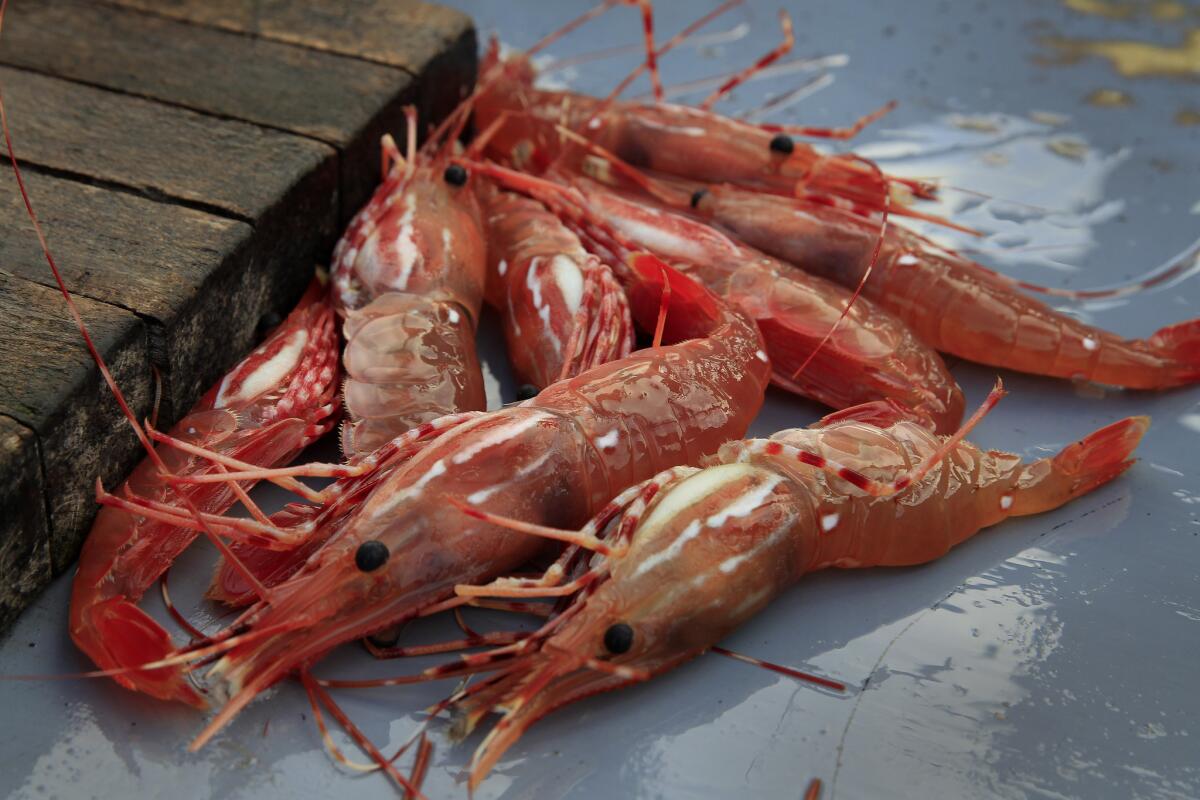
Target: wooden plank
[200,282]
[345,102]
[231,167]
[49,384]
[402,33]
[433,42]
[24,532]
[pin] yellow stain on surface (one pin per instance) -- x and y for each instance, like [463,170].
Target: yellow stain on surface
[1187,116]
[1162,10]
[1109,98]
[1134,59]
[1068,148]
[1050,118]
[1102,8]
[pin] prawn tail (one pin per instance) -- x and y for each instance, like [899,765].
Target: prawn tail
[118,634]
[1180,344]
[1081,467]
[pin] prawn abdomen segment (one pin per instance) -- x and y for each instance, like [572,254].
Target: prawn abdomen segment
[843,363]
[660,408]
[409,359]
[561,307]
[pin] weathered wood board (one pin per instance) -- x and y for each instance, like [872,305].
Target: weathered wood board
[24,531]
[425,39]
[191,164]
[338,100]
[49,384]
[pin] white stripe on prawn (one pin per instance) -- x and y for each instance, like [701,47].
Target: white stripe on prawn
[269,373]
[406,245]
[733,562]
[500,435]
[475,498]
[692,490]
[569,280]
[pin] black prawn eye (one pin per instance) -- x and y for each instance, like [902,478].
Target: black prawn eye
[697,196]
[618,638]
[371,555]
[455,175]
[526,391]
[782,143]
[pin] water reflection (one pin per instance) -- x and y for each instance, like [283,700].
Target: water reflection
[1041,216]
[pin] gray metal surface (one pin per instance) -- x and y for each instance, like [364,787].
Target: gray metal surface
[1051,657]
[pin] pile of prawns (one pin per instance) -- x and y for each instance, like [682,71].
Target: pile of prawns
[746,257]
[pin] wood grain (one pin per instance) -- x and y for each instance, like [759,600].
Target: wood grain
[49,384]
[231,167]
[199,282]
[344,102]
[401,33]
[24,533]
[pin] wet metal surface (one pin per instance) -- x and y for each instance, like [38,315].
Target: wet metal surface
[1051,656]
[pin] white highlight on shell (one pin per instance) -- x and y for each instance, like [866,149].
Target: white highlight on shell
[908,260]
[686,130]
[829,521]
[660,240]
[438,468]
[682,496]
[475,498]
[733,562]
[746,504]
[672,551]
[397,498]
[569,280]
[500,435]
[268,374]
[761,356]
[535,291]
[1089,343]
[502,267]
[453,316]
[750,602]
[608,440]
[1006,502]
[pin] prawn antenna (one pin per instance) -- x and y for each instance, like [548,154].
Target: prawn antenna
[784,47]
[318,696]
[808,677]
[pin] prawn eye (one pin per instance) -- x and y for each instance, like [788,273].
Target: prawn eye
[618,638]
[527,391]
[782,143]
[455,175]
[371,555]
[697,196]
